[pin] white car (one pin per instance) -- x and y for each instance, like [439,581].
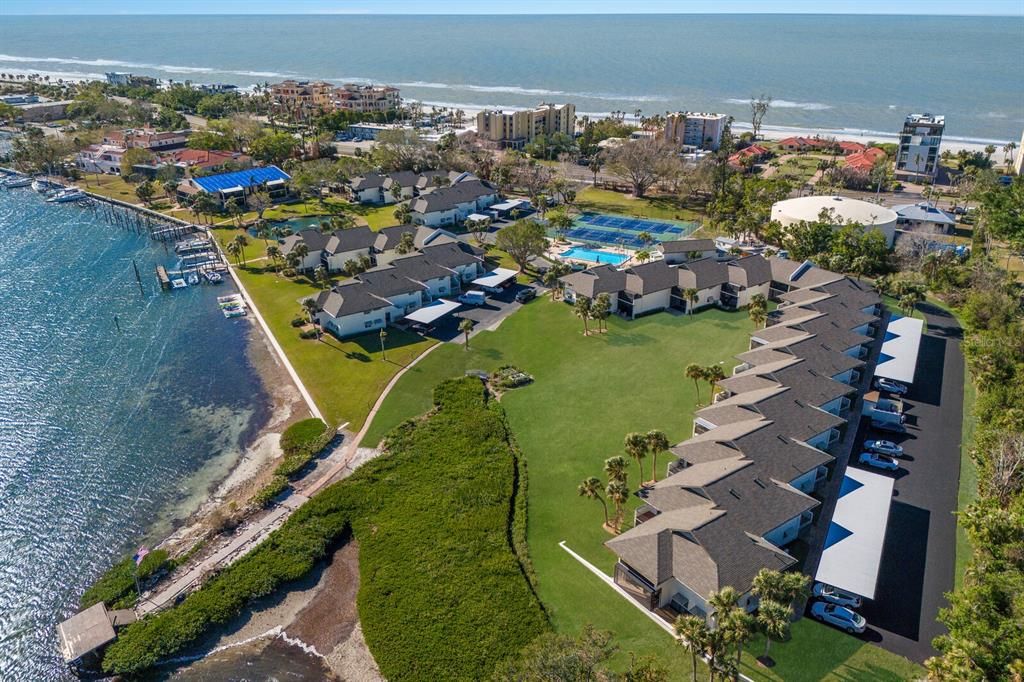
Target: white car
[890,386]
[473,298]
[839,616]
[836,596]
[885,447]
[873,459]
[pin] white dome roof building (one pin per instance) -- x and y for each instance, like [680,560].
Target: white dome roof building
[790,212]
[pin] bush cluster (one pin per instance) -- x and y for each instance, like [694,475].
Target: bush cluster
[116,587]
[301,442]
[442,596]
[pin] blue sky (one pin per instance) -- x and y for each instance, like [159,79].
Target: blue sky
[923,7]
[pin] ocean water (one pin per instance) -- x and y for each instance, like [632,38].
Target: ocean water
[861,73]
[105,434]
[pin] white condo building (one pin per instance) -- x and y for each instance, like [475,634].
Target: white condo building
[917,158]
[695,130]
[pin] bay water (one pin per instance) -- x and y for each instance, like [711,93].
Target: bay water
[118,411]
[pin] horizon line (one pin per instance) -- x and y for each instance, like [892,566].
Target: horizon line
[515,14]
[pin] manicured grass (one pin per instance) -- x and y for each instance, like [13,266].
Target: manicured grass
[375,217]
[607,201]
[346,377]
[255,248]
[112,186]
[818,652]
[588,393]
[800,168]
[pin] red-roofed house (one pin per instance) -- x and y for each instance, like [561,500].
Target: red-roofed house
[864,161]
[146,138]
[847,147]
[207,159]
[804,144]
[755,150]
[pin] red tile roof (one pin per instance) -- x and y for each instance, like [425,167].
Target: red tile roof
[864,161]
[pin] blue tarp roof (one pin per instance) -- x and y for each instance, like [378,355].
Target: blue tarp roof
[243,178]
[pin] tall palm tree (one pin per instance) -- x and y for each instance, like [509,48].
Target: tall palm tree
[618,493]
[657,442]
[274,255]
[636,447]
[758,316]
[691,295]
[713,374]
[773,620]
[301,250]
[234,249]
[769,585]
[601,309]
[692,632]
[582,310]
[242,242]
[310,307]
[723,602]
[466,326]
[737,628]
[695,372]
[323,278]
[615,468]
[591,488]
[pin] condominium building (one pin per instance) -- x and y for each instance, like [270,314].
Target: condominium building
[917,158]
[304,97]
[695,130]
[515,128]
[365,98]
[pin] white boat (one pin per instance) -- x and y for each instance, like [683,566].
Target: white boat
[193,279]
[69,194]
[178,283]
[213,277]
[17,181]
[40,185]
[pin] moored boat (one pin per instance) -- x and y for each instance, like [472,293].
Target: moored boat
[17,181]
[66,195]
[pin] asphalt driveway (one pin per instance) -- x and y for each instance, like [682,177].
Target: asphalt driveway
[918,556]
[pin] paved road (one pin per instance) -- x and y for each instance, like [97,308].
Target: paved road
[918,557]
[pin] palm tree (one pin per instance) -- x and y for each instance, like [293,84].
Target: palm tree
[310,307]
[737,629]
[713,374]
[402,214]
[657,442]
[618,493]
[770,585]
[582,309]
[405,244]
[292,260]
[724,604]
[636,447]
[301,250]
[234,249]
[274,254]
[758,316]
[466,326]
[645,237]
[242,242]
[773,620]
[643,255]
[691,295]
[615,468]
[591,488]
[692,632]
[323,278]
[695,372]
[602,308]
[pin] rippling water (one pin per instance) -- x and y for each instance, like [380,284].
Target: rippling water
[104,434]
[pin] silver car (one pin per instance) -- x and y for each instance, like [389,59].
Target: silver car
[839,616]
[836,596]
[873,459]
[885,447]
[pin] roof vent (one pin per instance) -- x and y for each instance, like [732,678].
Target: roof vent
[734,493]
[759,482]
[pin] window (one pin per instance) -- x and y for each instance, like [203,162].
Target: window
[368,324]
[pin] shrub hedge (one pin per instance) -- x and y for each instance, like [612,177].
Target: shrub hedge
[442,593]
[301,442]
[116,587]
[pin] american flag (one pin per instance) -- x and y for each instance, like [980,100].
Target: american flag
[140,555]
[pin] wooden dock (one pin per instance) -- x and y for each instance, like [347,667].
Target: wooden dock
[163,278]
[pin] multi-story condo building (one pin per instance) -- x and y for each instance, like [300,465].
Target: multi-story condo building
[305,97]
[917,158]
[365,98]
[515,128]
[695,130]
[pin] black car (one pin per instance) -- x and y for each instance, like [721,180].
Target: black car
[524,295]
[892,427]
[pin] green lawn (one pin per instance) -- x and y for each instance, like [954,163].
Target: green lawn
[345,378]
[606,201]
[376,216]
[799,168]
[589,392]
[112,186]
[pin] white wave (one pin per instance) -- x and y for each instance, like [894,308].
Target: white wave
[66,75]
[994,114]
[786,104]
[70,60]
[424,84]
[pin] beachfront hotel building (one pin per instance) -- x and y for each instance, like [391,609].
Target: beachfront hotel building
[304,97]
[694,130]
[917,158]
[513,129]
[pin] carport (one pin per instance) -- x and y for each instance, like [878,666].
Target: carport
[853,546]
[431,312]
[900,347]
[493,281]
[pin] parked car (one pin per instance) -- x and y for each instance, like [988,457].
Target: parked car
[527,294]
[873,459]
[890,386]
[836,596]
[885,447]
[839,616]
[893,427]
[473,298]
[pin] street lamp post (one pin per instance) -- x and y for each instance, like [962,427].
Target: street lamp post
[383,336]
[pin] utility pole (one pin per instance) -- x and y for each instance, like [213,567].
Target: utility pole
[383,336]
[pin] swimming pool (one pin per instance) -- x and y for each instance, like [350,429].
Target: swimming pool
[592,255]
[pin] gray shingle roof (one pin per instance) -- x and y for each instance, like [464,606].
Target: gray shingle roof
[350,239]
[651,277]
[447,198]
[603,279]
[388,237]
[686,245]
[751,271]
[702,274]
[401,179]
[313,239]
[452,254]
[350,298]
[368,181]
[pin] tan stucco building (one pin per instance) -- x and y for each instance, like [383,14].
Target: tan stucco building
[516,128]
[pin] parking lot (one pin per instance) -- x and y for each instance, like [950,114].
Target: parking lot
[489,316]
[918,554]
